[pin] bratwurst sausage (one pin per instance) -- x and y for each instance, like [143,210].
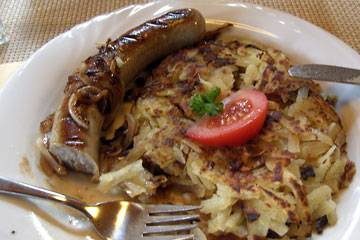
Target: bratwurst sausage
[93,93]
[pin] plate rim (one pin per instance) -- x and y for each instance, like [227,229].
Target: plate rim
[118,11]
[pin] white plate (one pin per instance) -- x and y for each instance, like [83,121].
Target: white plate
[34,91]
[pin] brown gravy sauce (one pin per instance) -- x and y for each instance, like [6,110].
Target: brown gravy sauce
[24,166]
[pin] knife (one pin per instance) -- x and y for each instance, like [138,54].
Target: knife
[326,73]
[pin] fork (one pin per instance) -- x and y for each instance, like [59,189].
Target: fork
[120,220]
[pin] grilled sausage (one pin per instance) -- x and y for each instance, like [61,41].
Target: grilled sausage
[93,93]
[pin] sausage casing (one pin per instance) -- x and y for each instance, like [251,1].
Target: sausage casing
[93,93]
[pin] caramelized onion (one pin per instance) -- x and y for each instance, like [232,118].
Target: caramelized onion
[113,147]
[117,152]
[74,113]
[132,127]
[113,67]
[85,79]
[123,138]
[46,125]
[90,94]
[87,95]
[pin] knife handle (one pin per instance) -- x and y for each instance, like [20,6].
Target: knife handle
[326,73]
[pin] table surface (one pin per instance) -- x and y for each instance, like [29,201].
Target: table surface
[32,23]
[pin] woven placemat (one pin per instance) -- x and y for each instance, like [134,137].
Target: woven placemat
[32,23]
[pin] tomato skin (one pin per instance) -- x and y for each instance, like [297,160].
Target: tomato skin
[233,127]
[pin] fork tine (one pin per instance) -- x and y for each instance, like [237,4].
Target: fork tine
[172,218]
[167,208]
[170,237]
[168,228]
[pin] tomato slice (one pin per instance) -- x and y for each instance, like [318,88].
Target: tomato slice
[242,118]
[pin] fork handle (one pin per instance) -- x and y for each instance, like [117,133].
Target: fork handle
[17,188]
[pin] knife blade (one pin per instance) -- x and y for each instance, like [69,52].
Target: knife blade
[326,73]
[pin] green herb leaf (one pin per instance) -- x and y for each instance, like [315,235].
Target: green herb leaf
[205,103]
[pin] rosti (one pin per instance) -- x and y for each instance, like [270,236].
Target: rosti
[280,184]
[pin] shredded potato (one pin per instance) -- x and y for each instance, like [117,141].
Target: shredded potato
[281,184]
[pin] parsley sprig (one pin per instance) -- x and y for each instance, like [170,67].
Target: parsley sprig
[205,103]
